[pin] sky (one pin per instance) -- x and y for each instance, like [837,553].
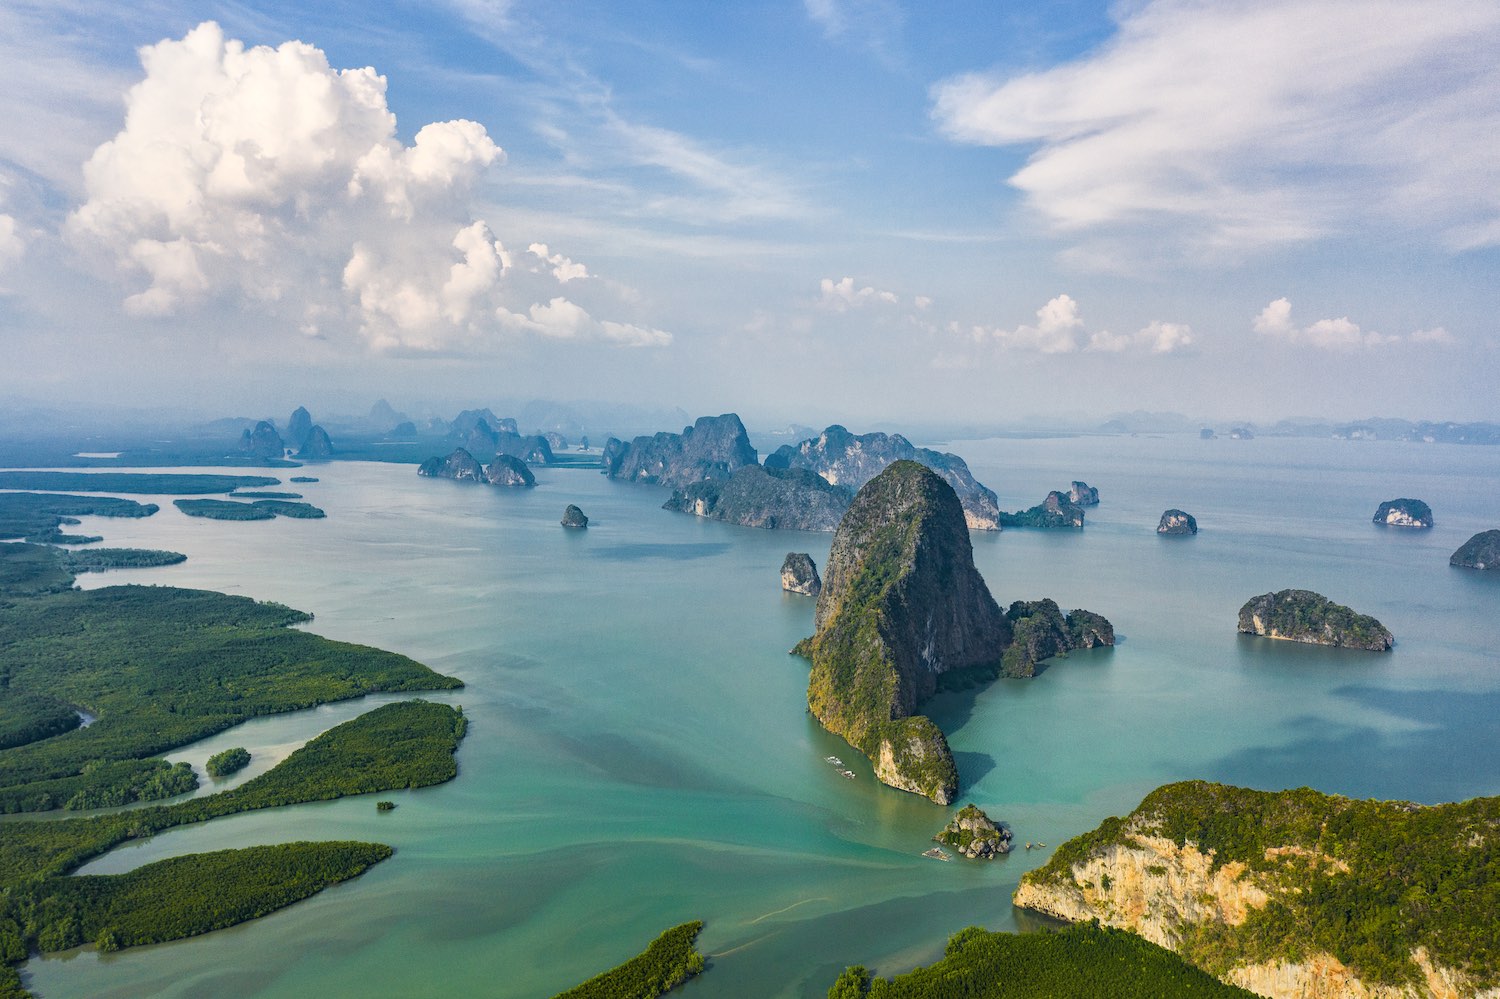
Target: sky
[801,210]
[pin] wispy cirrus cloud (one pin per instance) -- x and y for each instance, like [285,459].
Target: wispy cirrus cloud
[874,24]
[1235,127]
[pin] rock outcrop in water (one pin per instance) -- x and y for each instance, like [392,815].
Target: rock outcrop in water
[790,499]
[974,834]
[799,574]
[1403,513]
[508,470]
[533,449]
[316,444]
[1305,616]
[1176,522]
[1053,513]
[714,447]
[1482,551]
[263,442]
[851,460]
[1039,631]
[901,604]
[459,466]
[1083,494]
[574,517]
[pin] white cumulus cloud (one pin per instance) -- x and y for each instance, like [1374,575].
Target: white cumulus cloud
[842,295]
[12,244]
[1275,320]
[1254,123]
[562,319]
[563,269]
[265,177]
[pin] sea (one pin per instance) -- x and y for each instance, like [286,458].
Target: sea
[640,754]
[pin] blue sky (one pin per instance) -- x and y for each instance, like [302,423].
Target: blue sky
[802,210]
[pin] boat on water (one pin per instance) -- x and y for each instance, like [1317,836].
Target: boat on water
[847,773]
[833,761]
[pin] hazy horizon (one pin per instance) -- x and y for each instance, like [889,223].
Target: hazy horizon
[854,211]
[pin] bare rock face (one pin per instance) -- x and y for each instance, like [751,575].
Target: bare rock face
[1482,551]
[974,835]
[459,465]
[712,448]
[1404,513]
[316,444]
[846,459]
[574,517]
[508,470]
[1176,522]
[1305,616]
[901,604]
[1083,494]
[800,575]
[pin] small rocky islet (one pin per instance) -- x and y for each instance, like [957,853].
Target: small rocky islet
[1177,523]
[1482,551]
[1305,616]
[1403,513]
[574,518]
[799,574]
[975,835]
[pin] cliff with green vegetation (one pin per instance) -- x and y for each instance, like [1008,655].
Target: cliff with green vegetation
[1295,893]
[714,447]
[1482,551]
[851,460]
[668,962]
[1056,512]
[1305,616]
[790,499]
[901,605]
[1076,962]
[1040,631]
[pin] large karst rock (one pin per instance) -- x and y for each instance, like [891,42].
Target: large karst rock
[901,604]
[459,465]
[316,444]
[298,427]
[851,460]
[799,574]
[786,498]
[263,442]
[508,470]
[714,447]
[1305,616]
[1053,513]
[1177,523]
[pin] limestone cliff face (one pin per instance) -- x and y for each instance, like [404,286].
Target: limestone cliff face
[712,448]
[846,459]
[533,449]
[799,574]
[901,604]
[1305,616]
[790,499]
[508,470]
[298,427]
[1083,494]
[1246,885]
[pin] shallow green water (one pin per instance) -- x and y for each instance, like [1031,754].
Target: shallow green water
[639,753]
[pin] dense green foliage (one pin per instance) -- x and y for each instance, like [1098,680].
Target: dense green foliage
[101,559]
[1040,631]
[1056,512]
[39,516]
[1418,876]
[27,569]
[667,963]
[265,509]
[304,478]
[227,763]
[186,896]
[133,483]
[1079,962]
[162,667]
[401,745]
[26,717]
[1305,616]
[262,494]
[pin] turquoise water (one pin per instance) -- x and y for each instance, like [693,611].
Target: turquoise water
[639,752]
